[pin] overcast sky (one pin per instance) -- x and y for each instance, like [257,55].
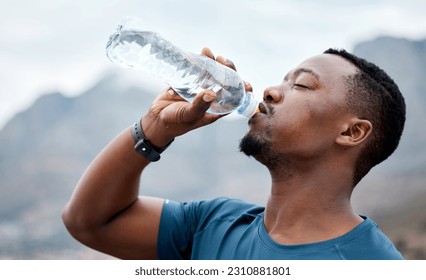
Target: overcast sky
[59,45]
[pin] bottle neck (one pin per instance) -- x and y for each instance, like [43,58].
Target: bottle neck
[250,105]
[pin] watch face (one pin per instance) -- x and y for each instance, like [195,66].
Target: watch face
[144,148]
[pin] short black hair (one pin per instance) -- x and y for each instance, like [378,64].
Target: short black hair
[374,96]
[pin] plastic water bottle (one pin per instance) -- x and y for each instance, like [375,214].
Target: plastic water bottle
[187,73]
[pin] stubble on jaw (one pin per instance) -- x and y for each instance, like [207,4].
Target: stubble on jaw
[259,146]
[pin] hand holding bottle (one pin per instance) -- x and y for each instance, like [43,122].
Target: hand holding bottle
[170,115]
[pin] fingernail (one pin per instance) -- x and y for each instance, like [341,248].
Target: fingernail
[208,97]
[171,92]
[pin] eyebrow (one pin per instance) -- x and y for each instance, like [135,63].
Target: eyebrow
[302,70]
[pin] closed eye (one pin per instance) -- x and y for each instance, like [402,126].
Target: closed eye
[299,86]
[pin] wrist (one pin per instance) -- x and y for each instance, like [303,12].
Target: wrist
[144,146]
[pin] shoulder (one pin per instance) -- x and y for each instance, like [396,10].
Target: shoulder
[222,207]
[196,215]
[227,205]
[368,242]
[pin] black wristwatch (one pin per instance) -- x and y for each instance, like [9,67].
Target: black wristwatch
[143,146]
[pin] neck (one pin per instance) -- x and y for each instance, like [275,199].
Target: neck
[310,205]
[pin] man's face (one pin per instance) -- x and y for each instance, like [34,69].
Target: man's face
[301,117]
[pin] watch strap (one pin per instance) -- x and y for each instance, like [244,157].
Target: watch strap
[143,146]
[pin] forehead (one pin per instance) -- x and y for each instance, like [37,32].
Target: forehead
[328,67]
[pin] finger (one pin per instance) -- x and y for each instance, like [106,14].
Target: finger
[171,92]
[248,87]
[230,64]
[207,52]
[221,59]
[226,62]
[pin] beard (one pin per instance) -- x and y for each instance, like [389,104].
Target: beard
[260,147]
[253,146]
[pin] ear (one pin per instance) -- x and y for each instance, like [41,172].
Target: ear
[354,132]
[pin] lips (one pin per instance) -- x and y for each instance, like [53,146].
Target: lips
[263,108]
[263,112]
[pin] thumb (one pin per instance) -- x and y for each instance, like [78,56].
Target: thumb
[199,106]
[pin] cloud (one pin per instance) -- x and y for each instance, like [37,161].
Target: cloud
[59,45]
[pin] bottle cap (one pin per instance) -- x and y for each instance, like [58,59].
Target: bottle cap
[250,106]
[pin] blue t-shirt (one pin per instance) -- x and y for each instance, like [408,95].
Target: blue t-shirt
[228,229]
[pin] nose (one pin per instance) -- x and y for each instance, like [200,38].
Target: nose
[273,94]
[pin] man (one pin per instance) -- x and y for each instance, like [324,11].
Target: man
[318,132]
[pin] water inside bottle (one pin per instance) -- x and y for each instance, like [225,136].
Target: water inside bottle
[187,73]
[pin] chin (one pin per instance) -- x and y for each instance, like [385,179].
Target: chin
[260,148]
[255,145]
[249,145]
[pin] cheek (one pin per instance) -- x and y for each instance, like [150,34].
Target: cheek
[294,116]
[303,128]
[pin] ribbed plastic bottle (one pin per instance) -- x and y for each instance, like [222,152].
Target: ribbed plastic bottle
[187,73]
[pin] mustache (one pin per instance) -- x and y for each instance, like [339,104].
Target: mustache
[271,110]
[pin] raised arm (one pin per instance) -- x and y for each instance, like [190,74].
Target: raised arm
[105,211]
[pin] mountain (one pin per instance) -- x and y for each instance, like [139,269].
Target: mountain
[405,61]
[46,148]
[399,184]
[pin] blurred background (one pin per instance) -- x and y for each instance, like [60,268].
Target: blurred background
[62,100]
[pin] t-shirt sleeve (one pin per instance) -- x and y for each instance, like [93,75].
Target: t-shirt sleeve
[174,236]
[180,221]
